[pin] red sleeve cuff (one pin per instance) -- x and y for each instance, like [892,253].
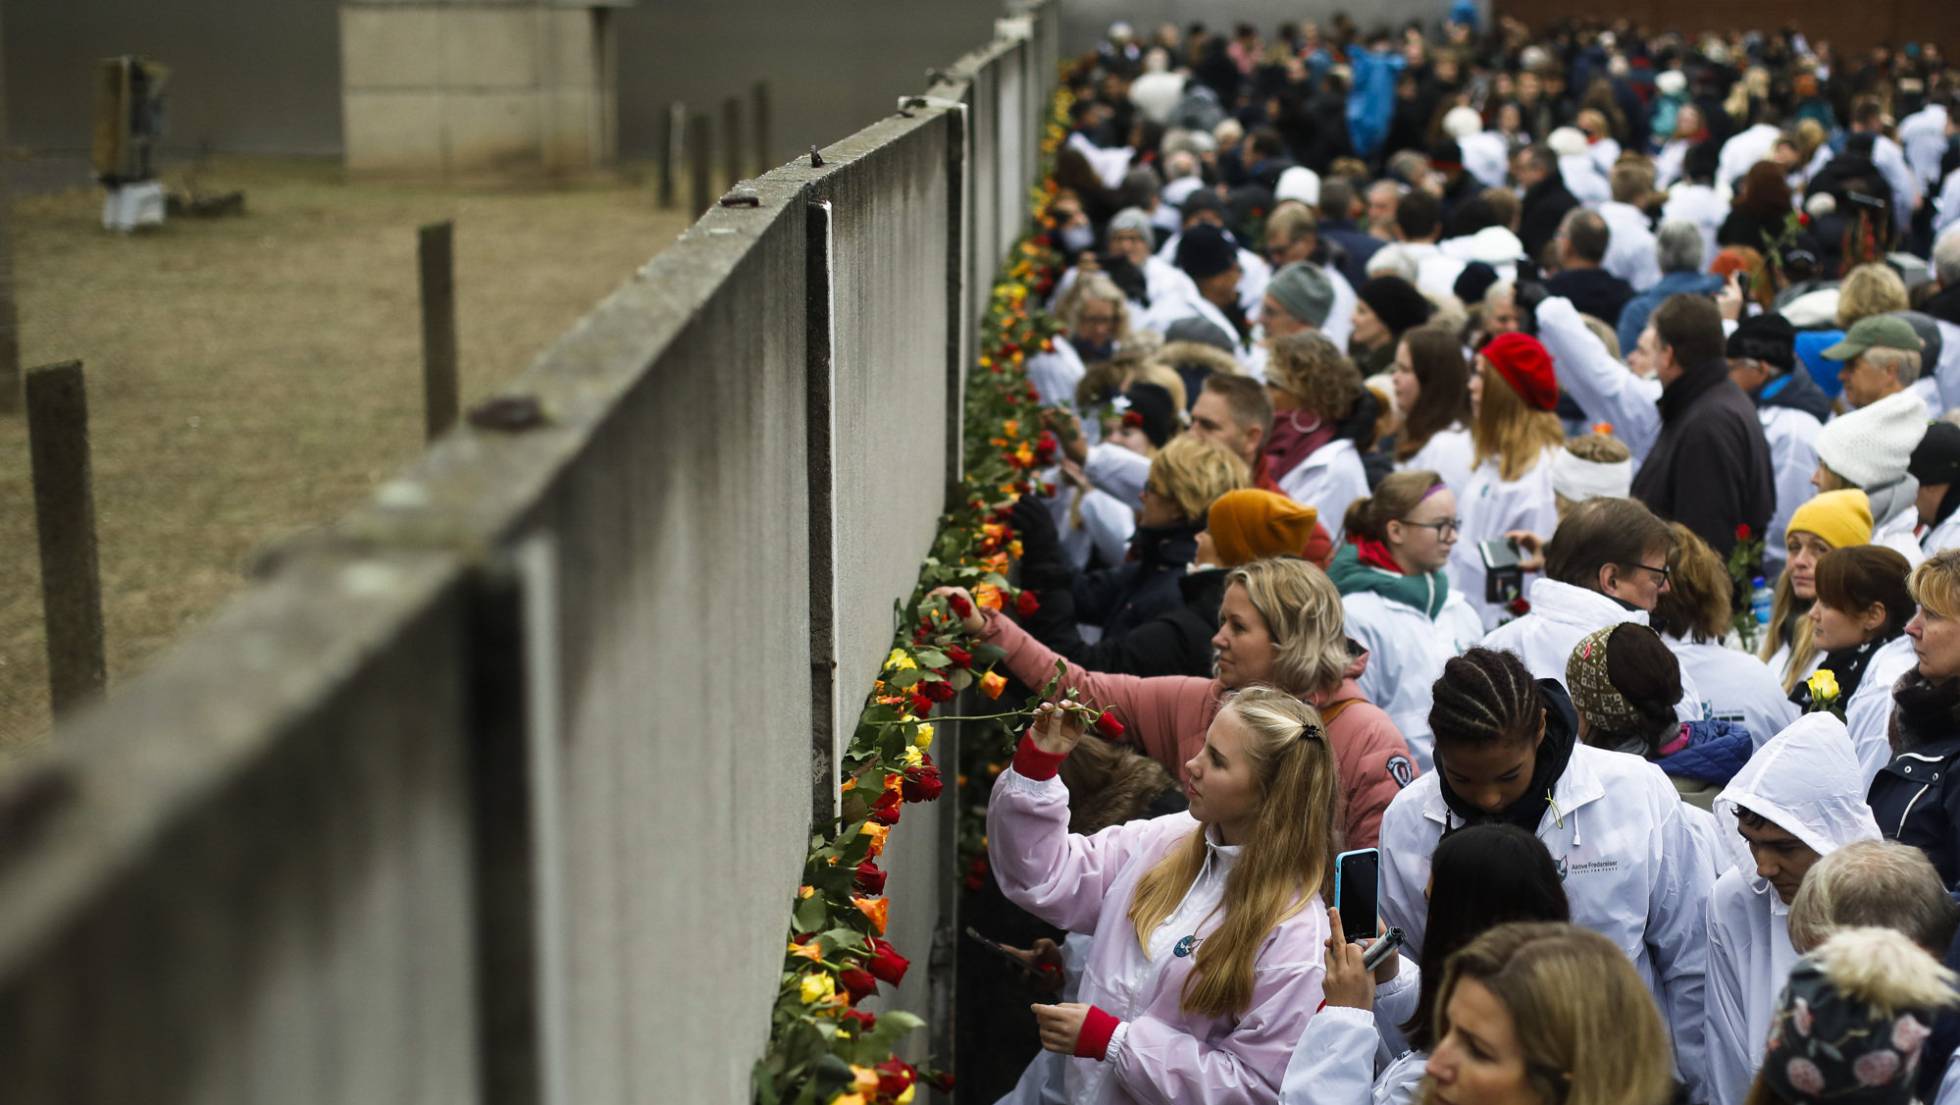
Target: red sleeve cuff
[1093,1041]
[1033,763]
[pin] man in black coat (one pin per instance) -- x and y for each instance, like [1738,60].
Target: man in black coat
[1710,467]
[1546,199]
[1583,238]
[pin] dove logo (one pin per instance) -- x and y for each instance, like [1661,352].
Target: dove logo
[1401,770]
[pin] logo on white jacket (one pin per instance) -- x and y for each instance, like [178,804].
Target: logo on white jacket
[1401,770]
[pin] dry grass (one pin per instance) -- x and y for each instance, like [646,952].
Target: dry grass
[256,376]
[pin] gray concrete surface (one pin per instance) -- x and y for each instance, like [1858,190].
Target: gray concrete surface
[375,835]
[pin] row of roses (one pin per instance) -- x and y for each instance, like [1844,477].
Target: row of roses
[825,1048]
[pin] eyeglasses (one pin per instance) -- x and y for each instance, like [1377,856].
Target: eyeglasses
[1443,528]
[1666,574]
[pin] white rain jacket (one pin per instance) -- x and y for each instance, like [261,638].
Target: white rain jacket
[1492,506]
[1406,654]
[1792,437]
[1055,373]
[1805,781]
[1328,480]
[1633,871]
[1449,454]
[1735,687]
[1561,616]
[1342,1047]
[1868,715]
[1605,389]
[1946,535]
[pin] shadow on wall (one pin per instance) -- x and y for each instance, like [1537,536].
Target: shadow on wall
[264,77]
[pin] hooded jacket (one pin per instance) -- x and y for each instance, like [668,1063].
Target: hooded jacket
[1792,409]
[1805,781]
[1710,467]
[1738,688]
[1492,506]
[1561,615]
[1411,626]
[1632,868]
[1168,717]
[1916,798]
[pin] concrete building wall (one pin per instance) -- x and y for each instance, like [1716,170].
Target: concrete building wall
[499,790]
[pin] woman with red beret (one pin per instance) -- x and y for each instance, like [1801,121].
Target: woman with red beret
[1513,434]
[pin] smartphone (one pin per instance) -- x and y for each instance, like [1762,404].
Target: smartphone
[1742,284]
[1499,555]
[1357,892]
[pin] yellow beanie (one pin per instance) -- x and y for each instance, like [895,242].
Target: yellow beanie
[1249,525]
[1841,518]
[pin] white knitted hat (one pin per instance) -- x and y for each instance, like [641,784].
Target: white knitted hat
[1567,141]
[1462,122]
[1872,445]
[1299,183]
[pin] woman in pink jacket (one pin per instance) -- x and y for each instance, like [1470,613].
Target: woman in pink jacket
[1279,624]
[1208,927]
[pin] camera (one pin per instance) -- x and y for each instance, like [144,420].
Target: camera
[1504,571]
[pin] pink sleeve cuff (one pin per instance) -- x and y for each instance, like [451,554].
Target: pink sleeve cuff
[1033,763]
[1093,1041]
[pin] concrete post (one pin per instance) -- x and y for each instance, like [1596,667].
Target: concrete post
[437,263]
[731,140]
[671,152]
[699,168]
[64,516]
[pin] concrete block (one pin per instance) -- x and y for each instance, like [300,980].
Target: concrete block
[490,48]
[486,130]
[572,135]
[393,131]
[390,48]
[568,47]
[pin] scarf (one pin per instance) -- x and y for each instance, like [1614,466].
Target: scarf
[1848,665]
[1692,385]
[1554,755]
[1291,443]
[1363,566]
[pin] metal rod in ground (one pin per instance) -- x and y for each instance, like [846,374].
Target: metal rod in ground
[64,517]
[9,318]
[731,140]
[671,151]
[437,256]
[699,164]
[759,101]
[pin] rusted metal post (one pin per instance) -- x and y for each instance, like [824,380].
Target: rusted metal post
[64,518]
[441,395]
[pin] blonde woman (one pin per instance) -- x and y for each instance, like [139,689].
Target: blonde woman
[1206,927]
[1323,420]
[1832,520]
[1514,439]
[1097,318]
[1279,625]
[1546,1014]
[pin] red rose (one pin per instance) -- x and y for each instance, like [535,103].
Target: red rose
[858,983]
[886,964]
[888,808]
[942,1082]
[1742,532]
[959,656]
[1133,420]
[922,783]
[1045,445]
[895,1076]
[1026,603]
[1519,606]
[1108,726]
[870,880]
[976,873]
[1803,218]
[939,691]
[961,608]
[1034,394]
[865,1019]
[921,705]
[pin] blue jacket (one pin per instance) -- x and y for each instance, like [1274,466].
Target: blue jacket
[1633,317]
[1716,751]
[1371,98]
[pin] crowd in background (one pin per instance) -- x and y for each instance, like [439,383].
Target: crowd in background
[1530,453]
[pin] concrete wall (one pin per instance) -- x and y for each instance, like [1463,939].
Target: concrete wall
[499,789]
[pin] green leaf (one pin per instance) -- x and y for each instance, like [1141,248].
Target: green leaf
[845,939]
[904,679]
[812,914]
[931,658]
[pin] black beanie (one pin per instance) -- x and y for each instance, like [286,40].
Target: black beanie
[1154,410]
[1768,338]
[1936,460]
[1205,251]
[1475,279]
[1396,302]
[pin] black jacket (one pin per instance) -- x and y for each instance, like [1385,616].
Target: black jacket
[1945,306]
[1544,207]
[1594,292]
[1175,642]
[1710,467]
[1916,797]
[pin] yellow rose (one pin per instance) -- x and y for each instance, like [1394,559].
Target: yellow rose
[899,660]
[808,951]
[818,986]
[1823,685]
[911,1091]
[993,684]
[922,739]
[912,757]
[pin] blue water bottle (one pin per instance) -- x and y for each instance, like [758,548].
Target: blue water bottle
[1761,598]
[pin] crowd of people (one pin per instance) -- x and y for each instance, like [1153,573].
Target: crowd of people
[1534,455]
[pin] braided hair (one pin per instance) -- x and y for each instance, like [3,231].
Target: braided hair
[1485,696]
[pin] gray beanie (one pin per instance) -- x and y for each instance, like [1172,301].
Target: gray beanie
[1304,292]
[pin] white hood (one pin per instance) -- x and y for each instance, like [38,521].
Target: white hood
[1806,780]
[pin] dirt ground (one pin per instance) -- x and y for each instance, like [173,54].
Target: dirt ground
[251,377]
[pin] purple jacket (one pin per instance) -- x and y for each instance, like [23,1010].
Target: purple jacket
[1085,884]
